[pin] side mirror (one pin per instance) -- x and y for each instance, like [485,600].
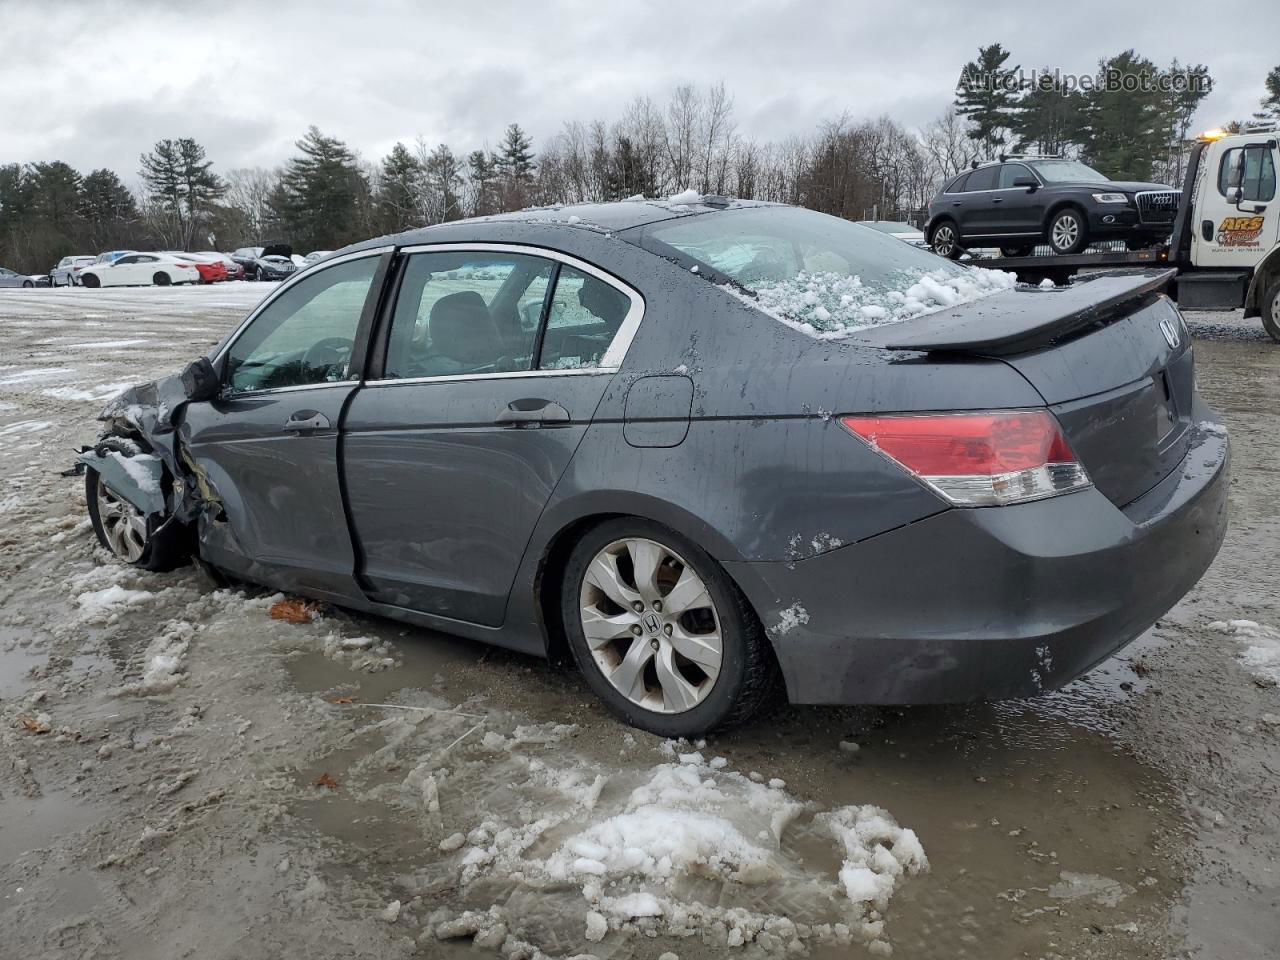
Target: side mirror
[200,380]
[1031,183]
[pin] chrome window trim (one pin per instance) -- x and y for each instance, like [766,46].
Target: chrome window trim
[610,362]
[271,298]
[506,375]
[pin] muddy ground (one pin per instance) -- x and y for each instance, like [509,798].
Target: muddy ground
[183,776]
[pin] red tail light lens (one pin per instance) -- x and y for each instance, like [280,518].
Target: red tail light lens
[978,459]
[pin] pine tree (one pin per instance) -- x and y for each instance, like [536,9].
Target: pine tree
[1271,102]
[1125,132]
[108,209]
[483,174]
[398,190]
[181,182]
[515,155]
[56,193]
[1048,117]
[986,95]
[444,180]
[321,193]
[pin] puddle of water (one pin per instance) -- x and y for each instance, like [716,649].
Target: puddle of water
[29,823]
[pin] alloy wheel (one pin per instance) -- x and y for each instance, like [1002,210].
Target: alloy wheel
[651,625]
[123,524]
[1066,231]
[944,241]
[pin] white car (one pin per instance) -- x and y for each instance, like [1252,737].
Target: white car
[901,231]
[67,270]
[140,270]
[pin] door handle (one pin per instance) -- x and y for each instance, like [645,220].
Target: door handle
[533,412]
[307,420]
[997,199]
[955,203]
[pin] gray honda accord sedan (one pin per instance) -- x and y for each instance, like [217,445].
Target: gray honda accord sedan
[697,445]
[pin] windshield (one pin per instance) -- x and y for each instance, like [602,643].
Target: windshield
[1067,171]
[819,274]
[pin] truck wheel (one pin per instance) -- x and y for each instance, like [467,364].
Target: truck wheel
[945,240]
[1067,231]
[1271,311]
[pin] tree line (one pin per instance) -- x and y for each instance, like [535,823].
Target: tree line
[327,195]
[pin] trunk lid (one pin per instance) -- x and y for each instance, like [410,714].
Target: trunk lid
[1109,355]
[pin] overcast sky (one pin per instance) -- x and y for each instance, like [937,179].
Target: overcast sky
[96,83]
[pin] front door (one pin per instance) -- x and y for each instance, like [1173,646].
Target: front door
[268,446]
[495,362]
[1227,235]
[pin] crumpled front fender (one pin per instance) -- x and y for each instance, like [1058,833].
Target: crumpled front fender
[138,479]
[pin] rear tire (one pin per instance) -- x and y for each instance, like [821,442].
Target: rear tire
[671,695]
[945,240]
[124,532]
[161,279]
[1068,232]
[1271,311]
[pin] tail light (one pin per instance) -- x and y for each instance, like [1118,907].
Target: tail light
[978,459]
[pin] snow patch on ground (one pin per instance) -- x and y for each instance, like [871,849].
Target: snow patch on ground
[693,849]
[163,660]
[100,605]
[829,306]
[1261,655]
[98,394]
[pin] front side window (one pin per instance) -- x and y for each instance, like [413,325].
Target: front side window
[1010,172]
[467,313]
[584,318]
[305,335]
[1258,183]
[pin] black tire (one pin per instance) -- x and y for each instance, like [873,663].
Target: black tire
[1271,310]
[90,281]
[1016,251]
[945,240]
[167,546]
[161,279]
[27,285]
[257,275]
[1068,231]
[748,672]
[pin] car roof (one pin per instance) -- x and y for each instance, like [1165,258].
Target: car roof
[603,219]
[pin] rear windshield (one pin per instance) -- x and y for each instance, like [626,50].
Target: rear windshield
[822,275]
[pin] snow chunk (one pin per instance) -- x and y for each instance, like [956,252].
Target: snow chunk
[1047,284]
[685,197]
[98,606]
[829,306]
[165,656]
[138,467]
[1261,657]
[597,926]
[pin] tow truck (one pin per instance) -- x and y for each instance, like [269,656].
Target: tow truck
[1225,245]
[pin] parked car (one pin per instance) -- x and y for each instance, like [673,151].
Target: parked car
[315,255]
[247,257]
[273,267]
[140,269]
[1017,203]
[899,230]
[209,266]
[67,270]
[613,432]
[10,278]
[233,268]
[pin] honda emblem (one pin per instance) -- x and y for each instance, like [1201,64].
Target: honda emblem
[1170,332]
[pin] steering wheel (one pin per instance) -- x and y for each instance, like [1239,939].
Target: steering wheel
[329,352]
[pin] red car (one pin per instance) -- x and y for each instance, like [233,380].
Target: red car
[210,268]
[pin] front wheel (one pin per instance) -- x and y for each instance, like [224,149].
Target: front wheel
[945,241]
[1067,232]
[1271,311]
[161,279]
[123,529]
[661,633]
[27,285]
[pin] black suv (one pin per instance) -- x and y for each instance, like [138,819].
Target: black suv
[1017,203]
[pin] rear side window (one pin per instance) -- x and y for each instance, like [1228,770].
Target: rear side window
[957,185]
[582,321]
[983,178]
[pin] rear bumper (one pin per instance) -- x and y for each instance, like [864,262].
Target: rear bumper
[996,603]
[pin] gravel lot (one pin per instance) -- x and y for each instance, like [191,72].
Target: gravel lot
[183,776]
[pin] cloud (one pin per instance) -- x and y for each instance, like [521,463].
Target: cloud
[246,79]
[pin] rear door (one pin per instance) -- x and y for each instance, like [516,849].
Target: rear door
[267,448]
[977,214]
[493,364]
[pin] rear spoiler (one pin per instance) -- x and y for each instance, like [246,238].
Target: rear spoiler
[1027,318]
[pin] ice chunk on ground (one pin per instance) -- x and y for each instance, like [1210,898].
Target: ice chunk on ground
[98,605]
[1081,886]
[1261,654]
[164,659]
